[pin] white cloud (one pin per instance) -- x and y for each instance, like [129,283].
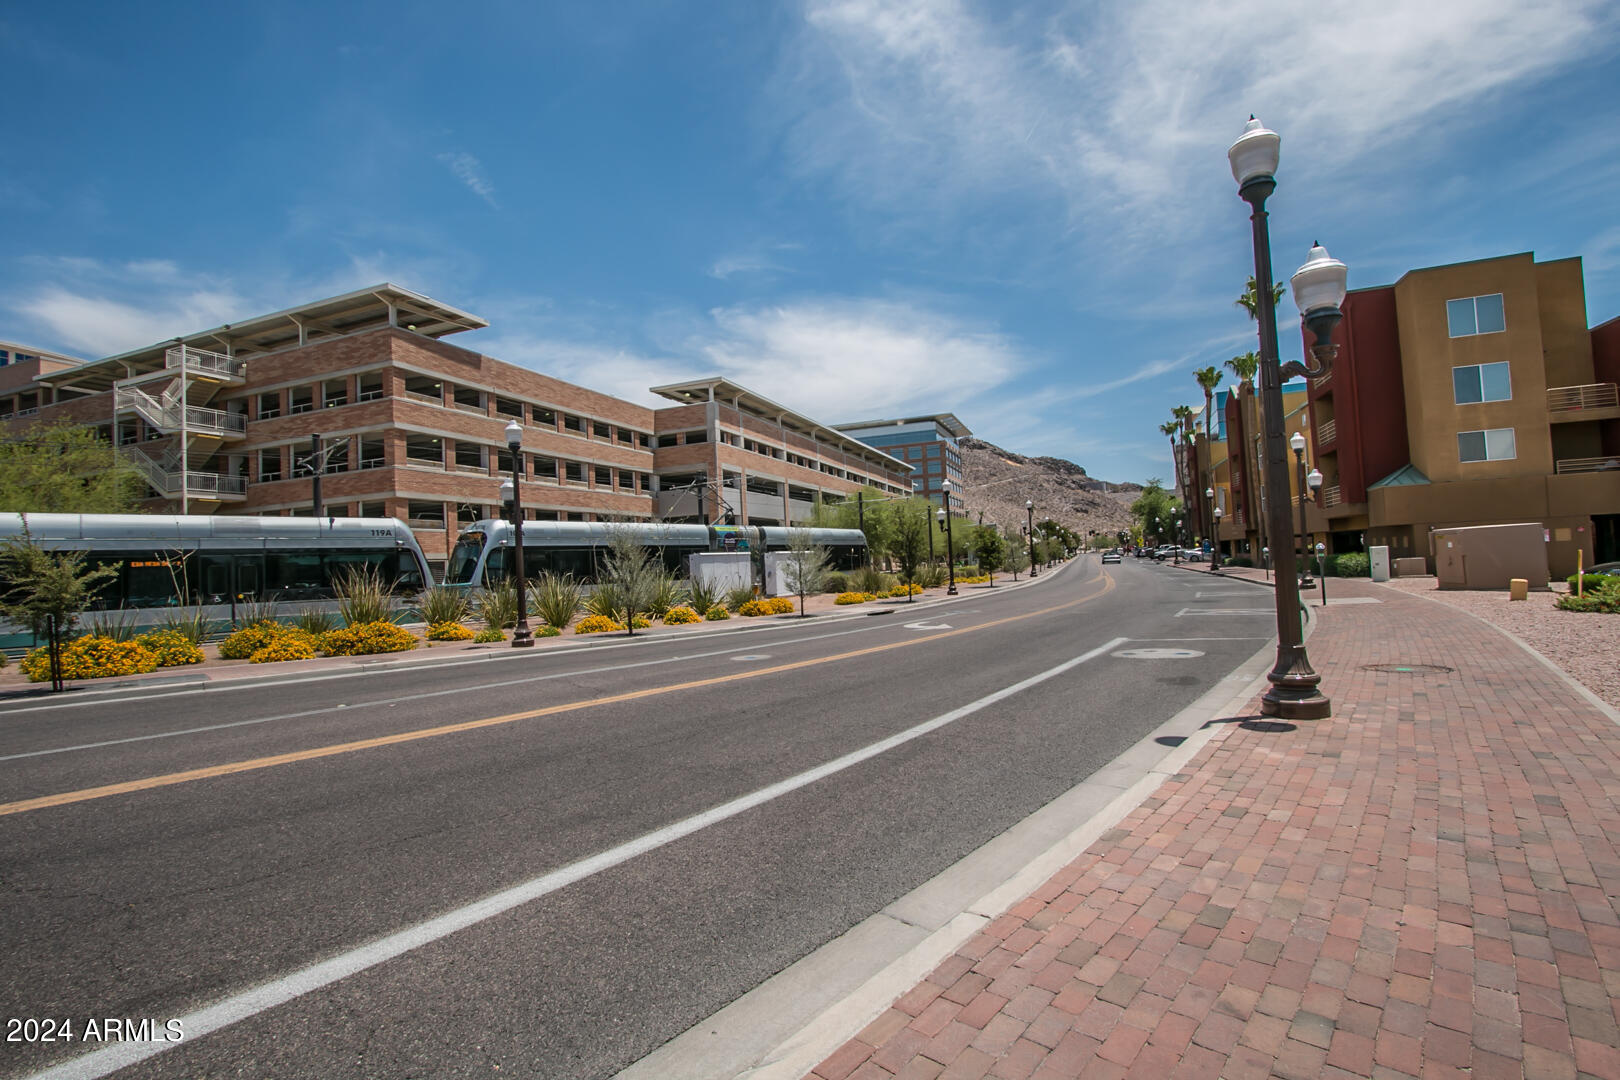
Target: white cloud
[470,171]
[101,309]
[1125,111]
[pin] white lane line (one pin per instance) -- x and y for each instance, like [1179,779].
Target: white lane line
[1224,611]
[570,674]
[250,1003]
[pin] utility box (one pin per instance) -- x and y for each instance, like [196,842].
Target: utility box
[1491,556]
[776,583]
[722,570]
[1379,558]
[1416,566]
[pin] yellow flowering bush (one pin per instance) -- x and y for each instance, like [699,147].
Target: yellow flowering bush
[285,647]
[172,648]
[250,639]
[780,605]
[718,613]
[547,631]
[596,624]
[92,658]
[906,590]
[640,621]
[363,639]
[680,616]
[853,598]
[488,634]
[449,631]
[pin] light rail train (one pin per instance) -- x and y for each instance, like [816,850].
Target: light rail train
[483,552]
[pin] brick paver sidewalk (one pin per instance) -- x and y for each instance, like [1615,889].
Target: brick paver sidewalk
[1424,885]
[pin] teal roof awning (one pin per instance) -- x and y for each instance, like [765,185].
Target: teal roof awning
[1405,476]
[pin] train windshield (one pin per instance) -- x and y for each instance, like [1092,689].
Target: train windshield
[464,559]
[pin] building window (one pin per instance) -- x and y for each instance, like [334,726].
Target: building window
[424,388]
[627,479]
[300,399]
[335,392]
[604,476]
[425,512]
[645,481]
[646,440]
[627,437]
[470,457]
[508,407]
[373,509]
[467,398]
[542,416]
[696,437]
[1493,444]
[933,450]
[668,440]
[337,456]
[424,450]
[573,423]
[371,389]
[270,464]
[269,405]
[913,453]
[1481,382]
[1475,315]
[601,430]
[371,457]
[545,469]
[574,472]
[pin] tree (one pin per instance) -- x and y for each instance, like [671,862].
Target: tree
[912,520]
[1250,300]
[990,549]
[805,567]
[872,513]
[1208,379]
[1016,558]
[1244,367]
[65,468]
[46,591]
[1155,504]
[633,570]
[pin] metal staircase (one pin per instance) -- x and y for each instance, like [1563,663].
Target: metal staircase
[194,431]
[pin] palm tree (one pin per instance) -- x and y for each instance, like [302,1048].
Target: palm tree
[1245,367]
[1250,300]
[1169,429]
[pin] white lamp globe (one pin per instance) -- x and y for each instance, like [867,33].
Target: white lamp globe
[1320,284]
[1255,153]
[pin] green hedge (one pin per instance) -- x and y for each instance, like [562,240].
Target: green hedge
[1604,596]
[1351,564]
[1592,580]
[1238,560]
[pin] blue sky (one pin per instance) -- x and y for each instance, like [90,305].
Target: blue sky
[1020,213]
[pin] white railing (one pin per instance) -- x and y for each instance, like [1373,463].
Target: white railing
[164,476]
[1587,464]
[166,416]
[1327,431]
[201,360]
[1590,396]
[1331,496]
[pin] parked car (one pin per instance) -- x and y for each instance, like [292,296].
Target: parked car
[1111,555]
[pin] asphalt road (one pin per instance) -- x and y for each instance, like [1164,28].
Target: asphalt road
[169,850]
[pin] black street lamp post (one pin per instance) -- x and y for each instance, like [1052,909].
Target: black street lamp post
[950,546]
[1319,288]
[522,637]
[1029,511]
[1215,556]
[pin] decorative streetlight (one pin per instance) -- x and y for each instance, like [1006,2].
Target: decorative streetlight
[1319,289]
[1296,442]
[1313,483]
[1209,497]
[1215,556]
[950,546]
[1175,546]
[521,636]
[1029,511]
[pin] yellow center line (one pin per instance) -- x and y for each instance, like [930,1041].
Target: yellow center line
[252,764]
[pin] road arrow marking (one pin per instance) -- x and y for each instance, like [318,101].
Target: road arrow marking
[927,626]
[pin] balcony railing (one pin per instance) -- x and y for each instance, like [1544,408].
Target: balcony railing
[1327,431]
[1587,464]
[1323,379]
[1590,396]
[1331,495]
[201,360]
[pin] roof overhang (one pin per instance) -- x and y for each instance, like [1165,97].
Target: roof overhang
[697,391]
[320,320]
[948,421]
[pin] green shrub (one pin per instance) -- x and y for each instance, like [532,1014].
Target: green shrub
[1603,597]
[736,598]
[547,631]
[363,597]
[1592,580]
[118,625]
[488,634]
[443,605]
[866,579]
[1350,564]
[91,658]
[316,623]
[497,604]
[1237,560]
[668,594]
[716,614]
[607,601]
[189,623]
[250,639]
[835,582]
[556,599]
[700,597]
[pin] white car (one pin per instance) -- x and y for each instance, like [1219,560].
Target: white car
[1111,555]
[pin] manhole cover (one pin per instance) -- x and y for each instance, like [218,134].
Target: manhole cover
[1157,654]
[1409,669]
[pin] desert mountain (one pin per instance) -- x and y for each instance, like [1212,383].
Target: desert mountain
[998,481]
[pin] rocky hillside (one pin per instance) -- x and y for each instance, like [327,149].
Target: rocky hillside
[998,482]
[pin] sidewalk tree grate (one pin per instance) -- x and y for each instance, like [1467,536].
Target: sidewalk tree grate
[1409,669]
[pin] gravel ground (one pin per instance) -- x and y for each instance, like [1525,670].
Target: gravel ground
[1584,644]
